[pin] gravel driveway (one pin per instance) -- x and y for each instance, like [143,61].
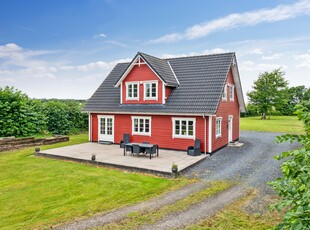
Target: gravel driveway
[252,164]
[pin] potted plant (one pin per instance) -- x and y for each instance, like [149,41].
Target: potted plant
[174,168]
[93,157]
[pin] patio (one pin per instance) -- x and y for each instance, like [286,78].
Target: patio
[113,155]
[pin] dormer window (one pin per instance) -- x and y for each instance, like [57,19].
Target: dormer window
[132,89]
[151,90]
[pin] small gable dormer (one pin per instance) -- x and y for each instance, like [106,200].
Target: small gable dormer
[147,80]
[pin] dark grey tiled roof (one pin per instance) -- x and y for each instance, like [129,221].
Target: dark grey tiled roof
[161,67]
[202,79]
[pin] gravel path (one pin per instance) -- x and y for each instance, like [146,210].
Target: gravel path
[156,203]
[252,164]
[199,211]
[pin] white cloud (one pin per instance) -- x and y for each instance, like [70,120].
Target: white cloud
[303,60]
[116,43]
[169,38]
[95,65]
[204,52]
[100,35]
[273,56]
[250,66]
[256,51]
[278,13]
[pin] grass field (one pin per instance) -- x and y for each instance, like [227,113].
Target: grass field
[282,124]
[38,192]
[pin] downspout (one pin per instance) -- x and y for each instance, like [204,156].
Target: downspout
[205,133]
[89,127]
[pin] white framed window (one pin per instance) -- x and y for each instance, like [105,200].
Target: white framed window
[151,90]
[231,92]
[132,90]
[218,130]
[141,125]
[224,95]
[183,127]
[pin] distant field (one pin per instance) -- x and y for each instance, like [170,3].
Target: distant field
[283,124]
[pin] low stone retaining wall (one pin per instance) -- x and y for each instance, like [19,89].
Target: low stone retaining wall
[9,143]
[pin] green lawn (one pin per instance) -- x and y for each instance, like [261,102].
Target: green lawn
[39,192]
[284,124]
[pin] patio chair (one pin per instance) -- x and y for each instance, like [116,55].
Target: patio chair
[126,139]
[143,149]
[194,150]
[136,149]
[152,150]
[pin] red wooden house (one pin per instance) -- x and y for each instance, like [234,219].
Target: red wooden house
[169,102]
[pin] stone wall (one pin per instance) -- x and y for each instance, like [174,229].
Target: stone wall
[9,143]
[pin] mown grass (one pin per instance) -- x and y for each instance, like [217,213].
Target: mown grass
[234,217]
[283,124]
[138,219]
[36,192]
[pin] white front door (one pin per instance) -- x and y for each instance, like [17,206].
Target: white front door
[230,128]
[106,128]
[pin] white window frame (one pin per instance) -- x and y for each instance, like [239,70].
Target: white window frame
[144,87]
[180,119]
[231,93]
[218,130]
[127,91]
[224,95]
[138,132]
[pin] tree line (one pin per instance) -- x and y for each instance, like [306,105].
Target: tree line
[271,95]
[22,116]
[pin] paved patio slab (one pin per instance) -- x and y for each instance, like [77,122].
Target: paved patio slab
[112,155]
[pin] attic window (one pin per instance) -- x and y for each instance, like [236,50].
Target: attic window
[150,90]
[132,91]
[231,92]
[224,96]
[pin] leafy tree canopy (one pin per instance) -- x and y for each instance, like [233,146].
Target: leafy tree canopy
[269,91]
[294,186]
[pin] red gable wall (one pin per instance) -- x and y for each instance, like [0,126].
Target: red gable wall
[225,109]
[142,73]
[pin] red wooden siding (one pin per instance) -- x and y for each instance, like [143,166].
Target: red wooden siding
[225,109]
[161,131]
[168,92]
[142,73]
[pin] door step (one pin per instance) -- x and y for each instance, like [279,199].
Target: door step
[235,144]
[105,142]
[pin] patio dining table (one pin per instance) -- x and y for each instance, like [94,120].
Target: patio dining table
[142,145]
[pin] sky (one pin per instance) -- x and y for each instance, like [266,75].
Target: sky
[65,49]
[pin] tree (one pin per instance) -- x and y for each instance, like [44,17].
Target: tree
[19,115]
[296,95]
[269,91]
[294,186]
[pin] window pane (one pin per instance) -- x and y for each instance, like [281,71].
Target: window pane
[147,125]
[135,90]
[147,90]
[129,91]
[154,90]
[190,128]
[177,127]
[136,129]
[102,127]
[183,128]
[141,125]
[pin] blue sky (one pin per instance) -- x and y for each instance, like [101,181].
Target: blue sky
[65,49]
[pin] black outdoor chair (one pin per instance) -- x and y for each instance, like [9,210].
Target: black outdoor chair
[143,149]
[152,150]
[136,149]
[126,139]
[194,150]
